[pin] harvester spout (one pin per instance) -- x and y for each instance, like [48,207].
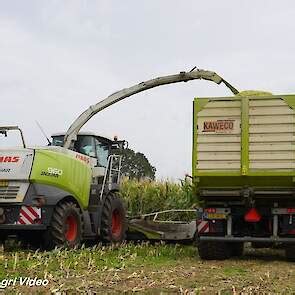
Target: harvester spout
[71,135]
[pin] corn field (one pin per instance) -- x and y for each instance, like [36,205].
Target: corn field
[145,196]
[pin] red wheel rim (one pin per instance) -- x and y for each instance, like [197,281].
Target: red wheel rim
[71,228]
[116,223]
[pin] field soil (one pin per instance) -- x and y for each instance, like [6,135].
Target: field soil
[147,269]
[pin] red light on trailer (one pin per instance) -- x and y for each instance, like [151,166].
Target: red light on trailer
[290,210]
[252,215]
[210,210]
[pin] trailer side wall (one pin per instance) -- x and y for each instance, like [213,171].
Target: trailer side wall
[244,141]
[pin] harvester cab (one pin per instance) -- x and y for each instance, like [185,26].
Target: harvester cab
[96,147]
[102,153]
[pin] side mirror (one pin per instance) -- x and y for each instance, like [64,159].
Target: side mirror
[120,145]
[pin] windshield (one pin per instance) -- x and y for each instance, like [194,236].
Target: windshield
[58,140]
[90,146]
[85,145]
[102,153]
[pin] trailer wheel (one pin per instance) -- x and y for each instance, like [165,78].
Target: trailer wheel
[237,249]
[113,220]
[211,250]
[66,227]
[290,252]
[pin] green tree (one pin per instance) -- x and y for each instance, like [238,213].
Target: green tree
[136,165]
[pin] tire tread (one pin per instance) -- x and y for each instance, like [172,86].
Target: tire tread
[54,236]
[211,250]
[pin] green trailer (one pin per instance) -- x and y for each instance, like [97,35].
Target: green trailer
[244,172]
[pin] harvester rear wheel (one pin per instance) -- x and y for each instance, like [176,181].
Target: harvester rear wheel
[66,228]
[113,219]
[211,250]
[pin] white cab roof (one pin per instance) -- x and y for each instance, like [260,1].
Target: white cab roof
[84,133]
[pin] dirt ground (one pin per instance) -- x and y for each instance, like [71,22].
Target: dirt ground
[149,269]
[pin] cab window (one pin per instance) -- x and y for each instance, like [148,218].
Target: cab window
[102,152]
[57,140]
[85,145]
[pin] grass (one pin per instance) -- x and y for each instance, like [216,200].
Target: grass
[150,269]
[99,264]
[94,258]
[233,271]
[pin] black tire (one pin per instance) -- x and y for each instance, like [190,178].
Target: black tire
[113,220]
[66,226]
[211,250]
[290,252]
[237,249]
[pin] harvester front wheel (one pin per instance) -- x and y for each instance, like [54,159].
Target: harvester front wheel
[113,220]
[66,226]
[212,250]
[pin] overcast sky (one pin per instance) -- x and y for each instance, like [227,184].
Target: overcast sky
[58,57]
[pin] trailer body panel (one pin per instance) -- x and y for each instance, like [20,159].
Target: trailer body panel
[244,141]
